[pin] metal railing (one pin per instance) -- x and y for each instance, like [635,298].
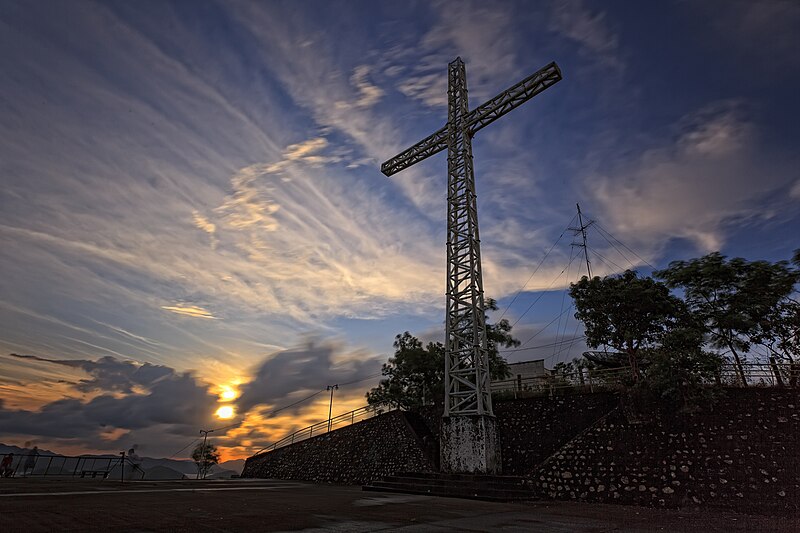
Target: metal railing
[771,374]
[586,380]
[346,419]
[38,465]
[757,374]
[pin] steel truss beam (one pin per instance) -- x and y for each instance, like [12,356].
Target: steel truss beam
[478,118]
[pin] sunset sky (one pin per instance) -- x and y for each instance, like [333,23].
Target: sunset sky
[192,212]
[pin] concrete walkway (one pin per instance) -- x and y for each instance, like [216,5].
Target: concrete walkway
[32,505]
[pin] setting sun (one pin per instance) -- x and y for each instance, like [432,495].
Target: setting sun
[226,411]
[227,393]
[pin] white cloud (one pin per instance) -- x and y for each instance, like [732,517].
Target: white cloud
[575,21]
[713,174]
[202,223]
[795,192]
[480,35]
[193,311]
[760,30]
[369,94]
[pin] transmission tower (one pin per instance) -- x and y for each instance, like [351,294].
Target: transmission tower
[581,229]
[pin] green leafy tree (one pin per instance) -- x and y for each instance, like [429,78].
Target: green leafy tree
[628,313]
[414,376]
[679,368]
[205,457]
[732,297]
[779,331]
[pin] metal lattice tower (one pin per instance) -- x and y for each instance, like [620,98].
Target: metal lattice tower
[467,360]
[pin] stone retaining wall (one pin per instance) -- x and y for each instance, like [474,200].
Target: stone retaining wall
[352,455]
[743,455]
[532,429]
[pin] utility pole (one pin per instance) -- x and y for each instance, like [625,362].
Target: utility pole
[202,467]
[582,230]
[330,407]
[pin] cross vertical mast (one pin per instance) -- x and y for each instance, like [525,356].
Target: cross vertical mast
[466,353]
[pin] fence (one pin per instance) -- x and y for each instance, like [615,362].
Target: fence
[36,465]
[346,419]
[771,374]
[550,382]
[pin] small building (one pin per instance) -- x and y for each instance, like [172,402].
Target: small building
[528,369]
[525,375]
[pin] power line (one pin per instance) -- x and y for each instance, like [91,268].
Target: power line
[276,411]
[605,260]
[548,325]
[179,451]
[624,246]
[564,341]
[535,270]
[615,247]
[563,299]
[542,293]
[568,349]
[362,379]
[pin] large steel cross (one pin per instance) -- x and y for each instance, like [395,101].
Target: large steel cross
[467,361]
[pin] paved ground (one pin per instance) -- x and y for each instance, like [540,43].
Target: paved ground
[32,505]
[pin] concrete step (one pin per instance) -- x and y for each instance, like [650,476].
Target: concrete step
[461,477]
[479,487]
[489,483]
[495,495]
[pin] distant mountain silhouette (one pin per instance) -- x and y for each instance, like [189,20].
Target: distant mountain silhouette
[7,448]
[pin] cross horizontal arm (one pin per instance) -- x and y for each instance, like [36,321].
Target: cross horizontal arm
[478,118]
[511,98]
[427,147]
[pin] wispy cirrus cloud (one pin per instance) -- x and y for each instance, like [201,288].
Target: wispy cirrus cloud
[589,29]
[795,192]
[758,29]
[481,35]
[193,311]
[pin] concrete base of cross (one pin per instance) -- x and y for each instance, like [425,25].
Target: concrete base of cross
[469,445]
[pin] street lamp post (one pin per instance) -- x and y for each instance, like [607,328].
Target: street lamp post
[330,407]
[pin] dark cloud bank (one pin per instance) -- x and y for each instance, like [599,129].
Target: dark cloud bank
[164,407]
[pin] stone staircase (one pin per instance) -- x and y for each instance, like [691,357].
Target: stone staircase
[475,487]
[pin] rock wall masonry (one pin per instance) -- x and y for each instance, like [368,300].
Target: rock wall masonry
[742,455]
[353,455]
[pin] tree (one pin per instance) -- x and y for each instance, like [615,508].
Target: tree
[779,331]
[625,312]
[205,456]
[679,368]
[415,375]
[732,297]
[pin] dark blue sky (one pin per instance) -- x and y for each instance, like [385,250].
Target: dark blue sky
[196,186]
